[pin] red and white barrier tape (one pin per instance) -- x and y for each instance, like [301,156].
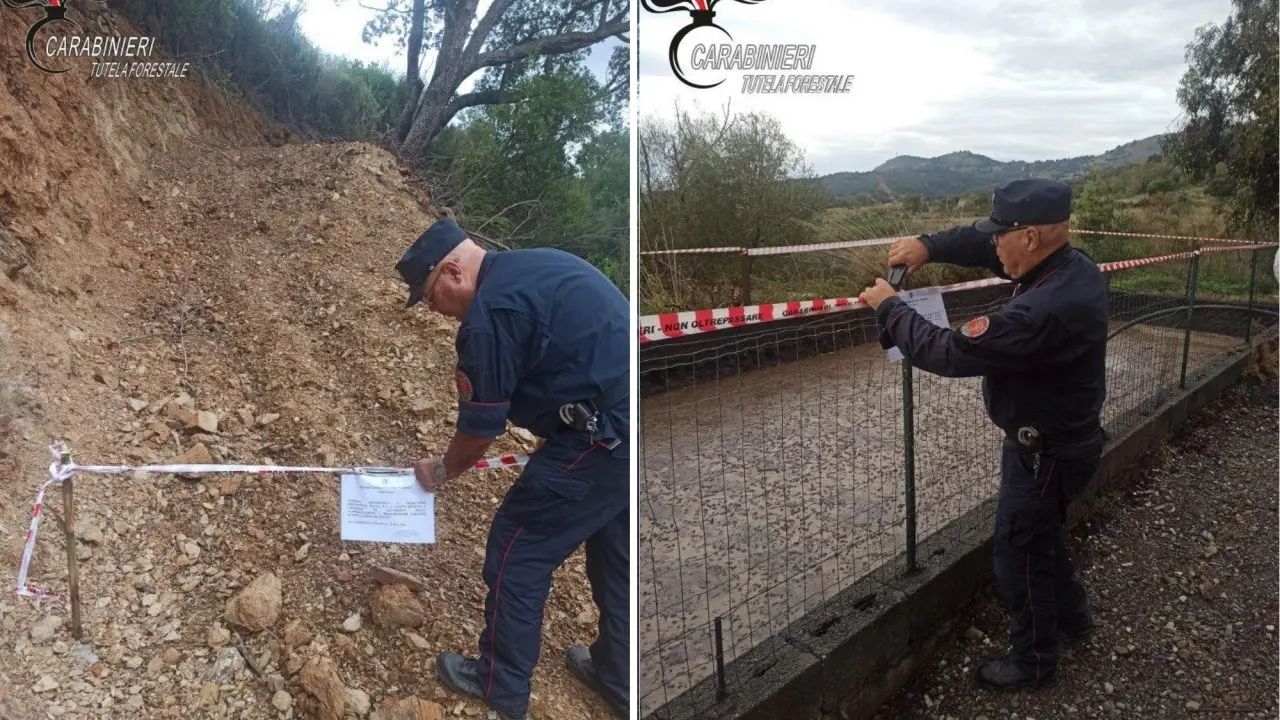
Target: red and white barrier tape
[29,545]
[678,324]
[1163,237]
[693,251]
[842,245]
[1240,248]
[1126,264]
[668,326]
[58,472]
[504,461]
[846,244]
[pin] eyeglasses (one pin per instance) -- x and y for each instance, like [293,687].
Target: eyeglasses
[995,238]
[431,286]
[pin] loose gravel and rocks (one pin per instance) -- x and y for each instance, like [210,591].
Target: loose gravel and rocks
[1182,573]
[175,288]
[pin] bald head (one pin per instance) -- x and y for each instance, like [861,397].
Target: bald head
[468,256]
[451,287]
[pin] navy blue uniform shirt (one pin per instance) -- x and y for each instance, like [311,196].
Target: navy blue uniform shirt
[1042,357]
[546,328]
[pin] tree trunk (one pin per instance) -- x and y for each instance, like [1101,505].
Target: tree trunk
[414,75]
[431,117]
[429,112]
[460,57]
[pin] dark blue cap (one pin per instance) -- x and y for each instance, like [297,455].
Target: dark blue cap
[428,251]
[1027,202]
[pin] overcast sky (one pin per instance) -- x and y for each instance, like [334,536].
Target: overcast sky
[335,26]
[1010,79]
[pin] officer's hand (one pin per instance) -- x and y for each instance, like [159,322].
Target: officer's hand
[877,293]
[430,474]
[908,251]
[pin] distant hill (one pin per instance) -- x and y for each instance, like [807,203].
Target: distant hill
[964,173]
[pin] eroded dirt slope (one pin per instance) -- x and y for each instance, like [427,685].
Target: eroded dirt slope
[164,258]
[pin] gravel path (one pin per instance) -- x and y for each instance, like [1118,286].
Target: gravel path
[1182,573]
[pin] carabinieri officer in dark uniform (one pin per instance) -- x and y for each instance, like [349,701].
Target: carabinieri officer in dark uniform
[1042,359]
[543,343]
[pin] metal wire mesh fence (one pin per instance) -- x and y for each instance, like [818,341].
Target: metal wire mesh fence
[774,467]
[767,485]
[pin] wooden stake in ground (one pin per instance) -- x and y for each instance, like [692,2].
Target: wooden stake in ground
[73,574]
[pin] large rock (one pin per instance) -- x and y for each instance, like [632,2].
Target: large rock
[352,624]
[218,637]
[296,635]
[395,606]
[320,678]
[357,702]
[282,700]
[225,667]
[204,420]
[257,607]
[410,708]
[390,576]
[197,454]
[44,630]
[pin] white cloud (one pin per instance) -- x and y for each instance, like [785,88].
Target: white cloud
[335,26]
[1012,79]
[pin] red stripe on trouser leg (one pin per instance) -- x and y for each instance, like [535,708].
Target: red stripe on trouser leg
[584,454]
[1047,474]
[497,597]
[1030,605]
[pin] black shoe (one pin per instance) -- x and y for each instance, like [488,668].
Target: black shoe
[1081,631]
[1004,674]
[579,662]
[461,676]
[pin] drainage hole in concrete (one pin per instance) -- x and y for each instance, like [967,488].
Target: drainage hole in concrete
[824,627]
[765,669]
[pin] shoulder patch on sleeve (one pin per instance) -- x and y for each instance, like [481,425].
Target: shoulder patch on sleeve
[975,327]
[464,386]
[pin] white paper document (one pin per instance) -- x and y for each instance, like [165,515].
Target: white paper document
[927,302]
[387,508]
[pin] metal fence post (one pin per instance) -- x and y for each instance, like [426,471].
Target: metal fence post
[1191,311]
[746,278]
[1253,279]
[722,690]
[909,460]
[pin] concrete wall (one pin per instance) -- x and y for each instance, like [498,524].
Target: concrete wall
[846,658]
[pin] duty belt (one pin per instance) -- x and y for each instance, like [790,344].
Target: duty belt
[1036,442]
[584,415]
